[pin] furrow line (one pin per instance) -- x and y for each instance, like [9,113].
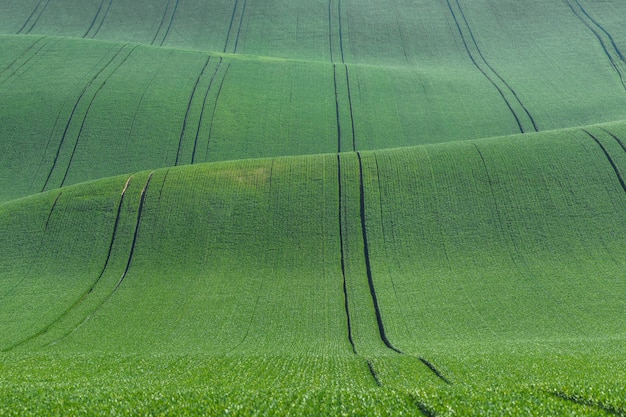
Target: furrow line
[6,291]
[614,64]
[141,98]
[489,78]
[330,33]
[56,200]
[113,234]
[230,27]
[163,18]
[142,199]
[343,61]
[69,121]
[609,158]
[23,64]
[243,10]
[617,139]
[45,5]
[169,26]
[93,98]
[337,108]
[204,101]
[93,21]
[495,203]
[106,13]
[598,405]
[191,97]
[368,267]
[217,97]
[599,26]
[97,281]
[493,70]
[436,371]
[373,373]
[86,293]
[350,107]
[343,257]
[422,407]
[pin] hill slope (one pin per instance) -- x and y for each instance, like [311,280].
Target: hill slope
[312,207]
[396,257]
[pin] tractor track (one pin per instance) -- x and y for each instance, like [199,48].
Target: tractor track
[95,18]
[204,102]
[594,26]
[71,117]
[82,125]
[43,4]
[343,257]
[484,71]
[189,104]
[217,97]
[23,64]
[609,158]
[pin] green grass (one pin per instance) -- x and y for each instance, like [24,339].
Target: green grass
[312,208]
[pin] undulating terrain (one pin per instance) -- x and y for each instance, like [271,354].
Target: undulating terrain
[313,207]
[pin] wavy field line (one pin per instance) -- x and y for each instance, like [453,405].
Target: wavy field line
[71,117]
[484,71]
[82,125]
[82,298]
[204,102]
[368,266]
[609,158]
[343,256]
[189,103]
[23,64]
[217,97]
[128,263]
[95,18]
[162,23]
[615,63]
[32,15]
[232,23]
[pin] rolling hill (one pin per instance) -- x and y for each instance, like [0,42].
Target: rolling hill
[332,207]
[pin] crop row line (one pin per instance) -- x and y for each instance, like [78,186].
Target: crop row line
[191,97]
[95,18]
[595,27]
[589,402]
[29,54]
[113,234]
[608,157]
[338,81]
[382,333]
[9,289]
[84,118]
[237,14]
[616,138]
[142,199]
[126,269]
[91,287]
[196,105]
[217,97]
[368,266]
[164,18]
[481,63]
[204,102]
[82,125]
[37,11]
[343,255]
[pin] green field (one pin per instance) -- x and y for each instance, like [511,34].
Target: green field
[339,207]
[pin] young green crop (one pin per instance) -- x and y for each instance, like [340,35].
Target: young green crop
[205,207]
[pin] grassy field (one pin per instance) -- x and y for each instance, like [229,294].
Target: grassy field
[341,207]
